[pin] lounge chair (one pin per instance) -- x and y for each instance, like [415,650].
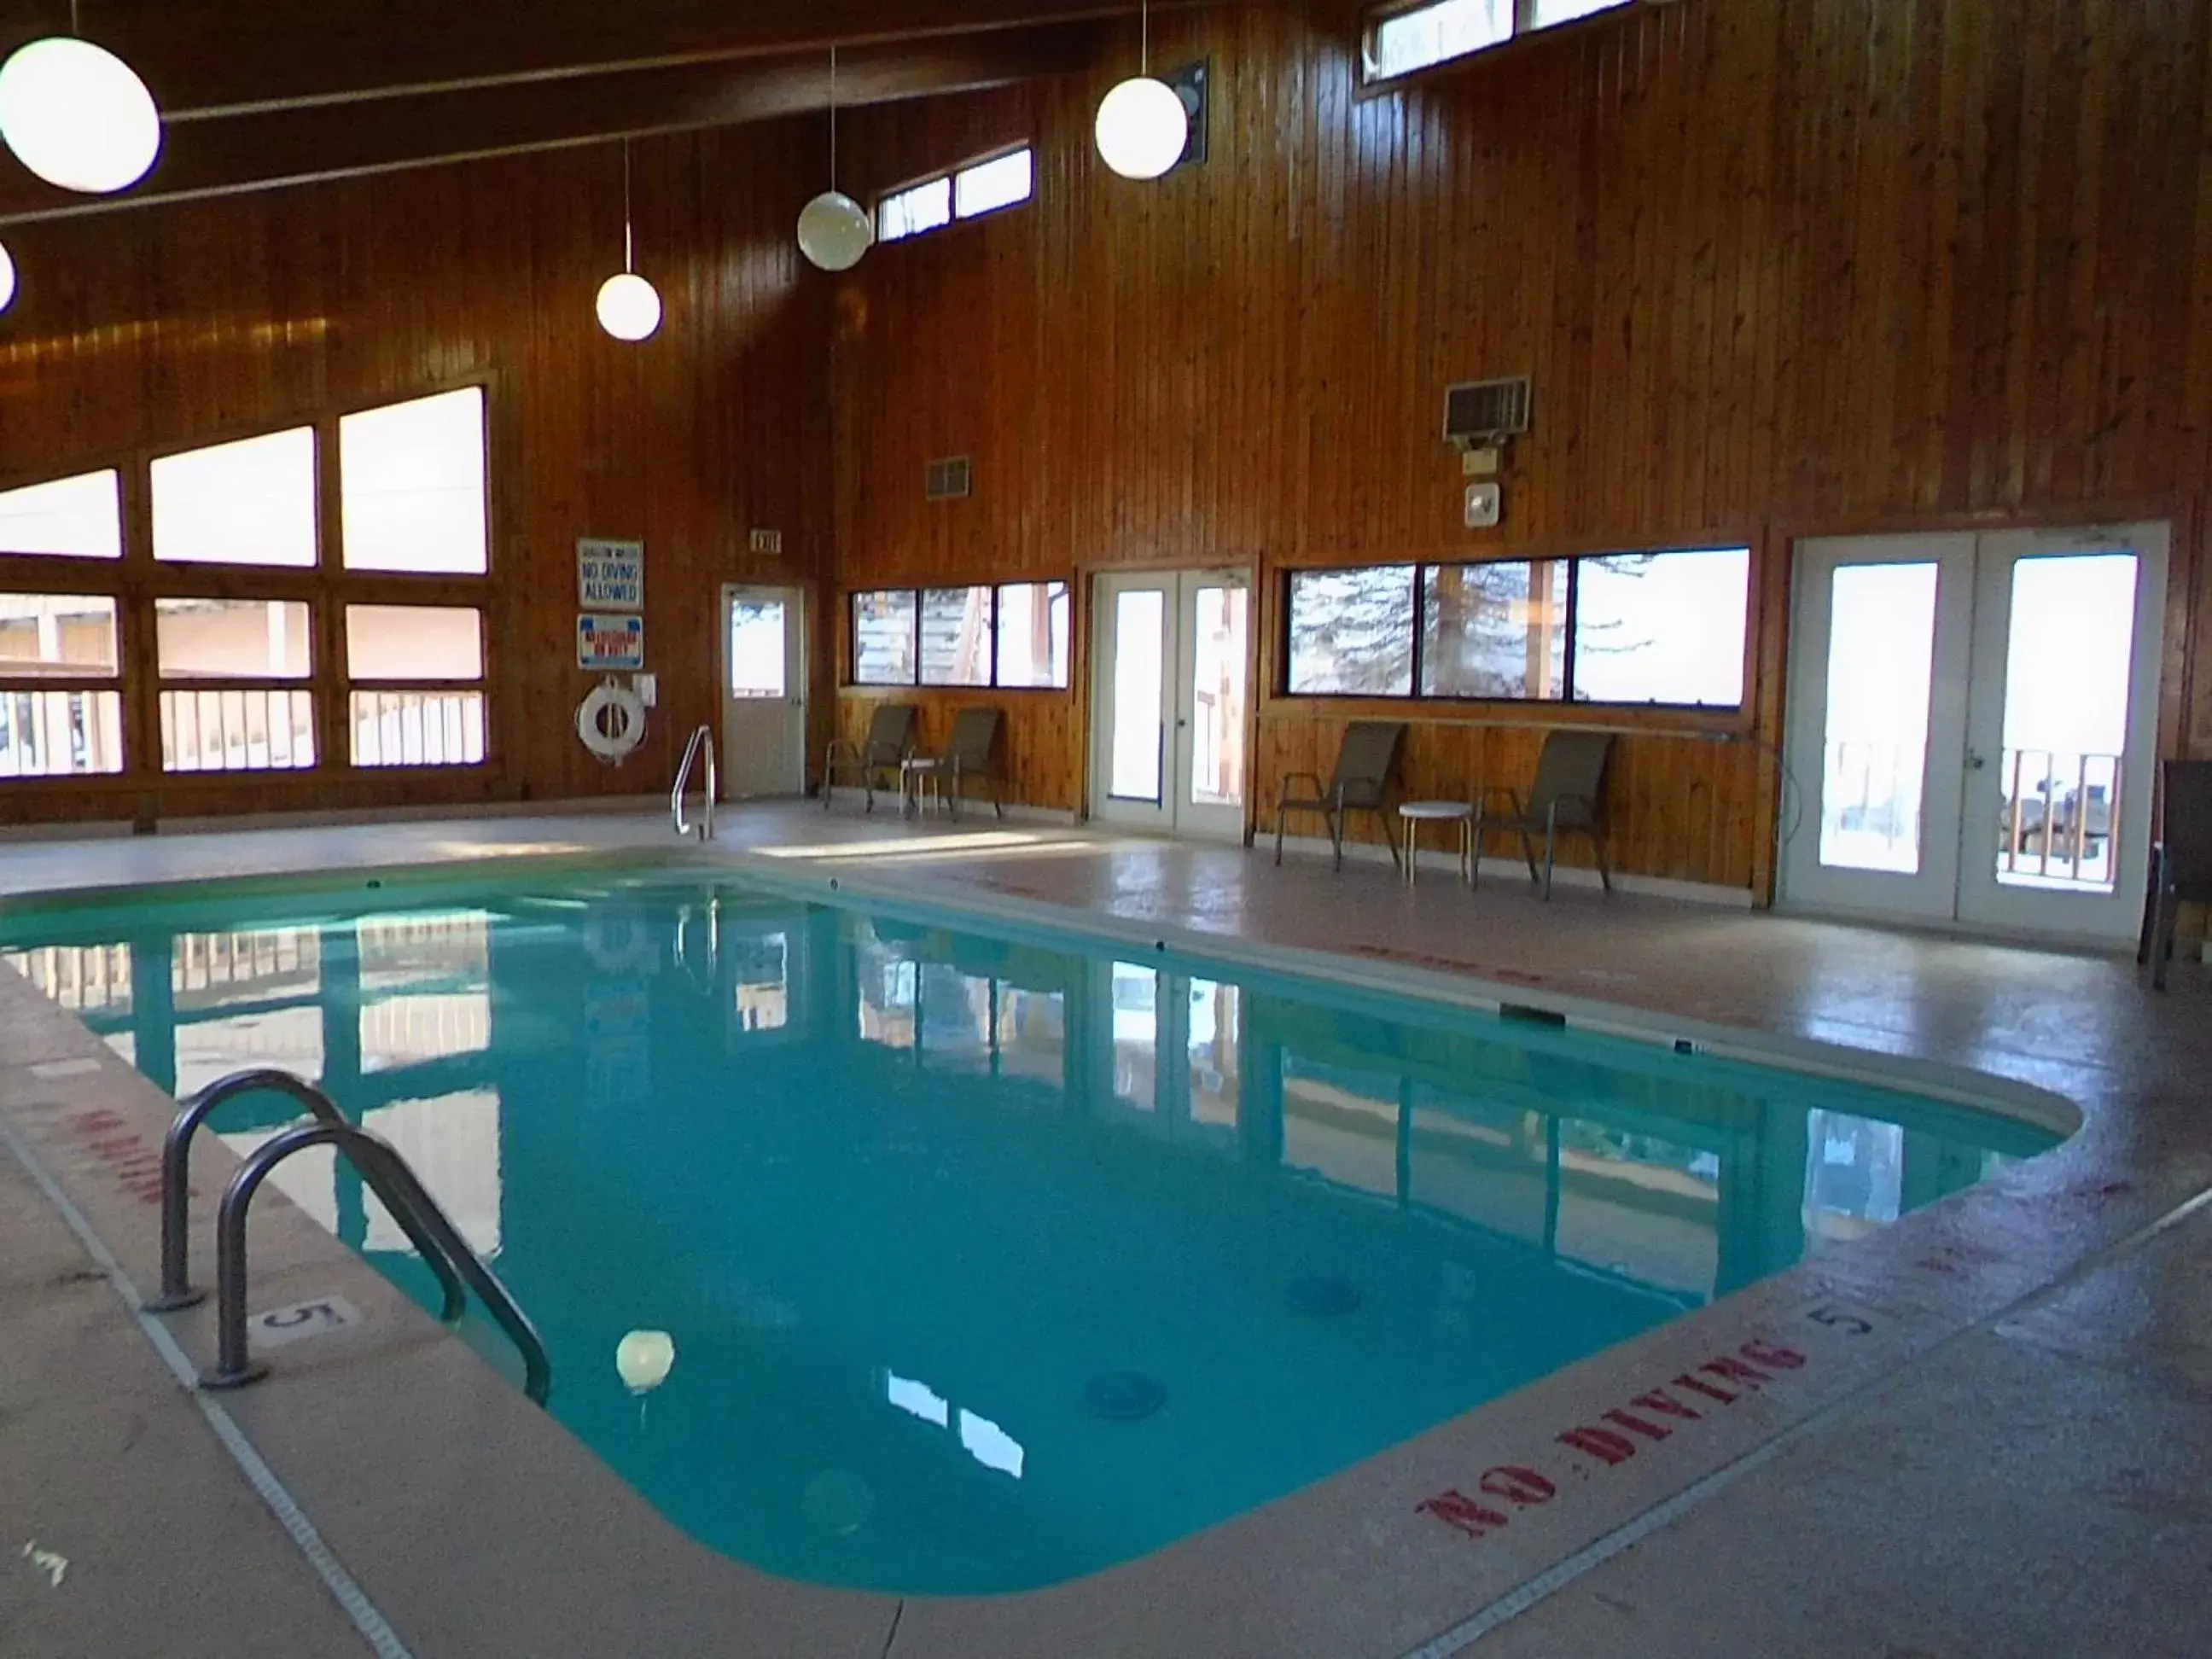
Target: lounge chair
[2181,863]
[889,742]
[1366,770]
[1568,793]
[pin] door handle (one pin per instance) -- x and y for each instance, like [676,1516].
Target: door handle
[1975,760]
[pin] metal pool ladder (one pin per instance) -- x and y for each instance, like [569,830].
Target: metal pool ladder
[702,743]
[387,1174]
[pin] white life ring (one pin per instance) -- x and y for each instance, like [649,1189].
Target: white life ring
[611,720]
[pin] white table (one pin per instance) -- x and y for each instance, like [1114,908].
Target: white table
[921,778]
[1415,813]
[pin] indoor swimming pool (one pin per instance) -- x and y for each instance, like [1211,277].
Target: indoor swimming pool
[885,1248]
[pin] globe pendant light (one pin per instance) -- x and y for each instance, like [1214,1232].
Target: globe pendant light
[6,278]
[628,306]
[77,115]
[1142,128]
[834,230]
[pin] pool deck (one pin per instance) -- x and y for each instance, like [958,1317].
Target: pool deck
[1986,1430]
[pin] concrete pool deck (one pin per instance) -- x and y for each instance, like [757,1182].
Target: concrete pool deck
[2008,1458]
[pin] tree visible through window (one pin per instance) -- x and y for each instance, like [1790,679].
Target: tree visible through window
[1665,628]
[1351,631]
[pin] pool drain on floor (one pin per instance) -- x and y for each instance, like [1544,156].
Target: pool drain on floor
[1123,1397]
[1328,1298]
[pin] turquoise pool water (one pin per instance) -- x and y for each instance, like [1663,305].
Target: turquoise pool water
[987,1261]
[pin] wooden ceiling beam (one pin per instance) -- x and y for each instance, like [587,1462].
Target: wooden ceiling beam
[207,59]
[320,142]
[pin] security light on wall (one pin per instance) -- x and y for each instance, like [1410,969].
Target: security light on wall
[834,230]
[1142,126]
[629,307]
[77,115]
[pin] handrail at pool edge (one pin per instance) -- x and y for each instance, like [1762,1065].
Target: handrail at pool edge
[382,1167]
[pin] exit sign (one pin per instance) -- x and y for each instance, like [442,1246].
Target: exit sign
[767,541]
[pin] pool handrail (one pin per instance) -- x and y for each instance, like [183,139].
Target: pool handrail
[177,1289]
[382,1167]
[703,742]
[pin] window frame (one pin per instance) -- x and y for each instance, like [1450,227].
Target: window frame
[950,176]
[1734,715]
[1368,79]
[996,588]
[138,579]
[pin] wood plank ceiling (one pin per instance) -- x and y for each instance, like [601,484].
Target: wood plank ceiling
[256,94]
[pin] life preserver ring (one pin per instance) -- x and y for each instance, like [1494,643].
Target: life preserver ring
[610,722]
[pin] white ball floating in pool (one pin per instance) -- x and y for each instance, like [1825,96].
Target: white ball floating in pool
[644,1358]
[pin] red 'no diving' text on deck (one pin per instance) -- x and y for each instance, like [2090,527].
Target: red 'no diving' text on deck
[1656,1414]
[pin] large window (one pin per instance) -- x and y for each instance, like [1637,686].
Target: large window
[79,517]
[1352,632]
[1012,636]
[236,714]
[297,655]
[1664,628]
[60,715]
[968,191]
[428,710]
[248,503]
[413,485]
[1404,38]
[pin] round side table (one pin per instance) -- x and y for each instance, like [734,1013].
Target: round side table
[1415,813]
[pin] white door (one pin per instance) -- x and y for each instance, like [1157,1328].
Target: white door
[1170,679]
[764,692]
[1972,727]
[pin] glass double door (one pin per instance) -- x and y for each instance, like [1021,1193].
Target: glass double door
[1170,694]
[1972,728]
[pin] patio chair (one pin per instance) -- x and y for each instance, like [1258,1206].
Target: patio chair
[1568,793]
[2181,863]
[1366,768]
[889,742]
[972,753]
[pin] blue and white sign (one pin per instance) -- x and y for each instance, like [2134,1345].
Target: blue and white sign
[609,644]
[609,575]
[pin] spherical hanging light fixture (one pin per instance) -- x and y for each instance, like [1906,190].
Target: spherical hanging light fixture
[1142,128]
[77,115]
[6,278]
[834,230]
[629,307]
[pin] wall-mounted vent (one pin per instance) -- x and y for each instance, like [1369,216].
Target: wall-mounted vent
[1478,413]
[949,479]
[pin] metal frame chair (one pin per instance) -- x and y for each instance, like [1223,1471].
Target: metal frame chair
[971,751]
[2181,863]
[889,742]
[1568,793]
[1366,767]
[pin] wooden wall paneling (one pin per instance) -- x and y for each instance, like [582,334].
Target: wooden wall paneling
[1825,265]
[183,325]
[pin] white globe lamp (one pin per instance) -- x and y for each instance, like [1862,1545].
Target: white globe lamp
[7,279]
[834,231]
[1142,128]
[629,307]
[78,116]
[643,1360]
